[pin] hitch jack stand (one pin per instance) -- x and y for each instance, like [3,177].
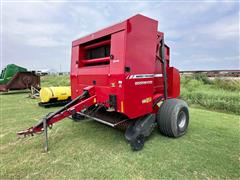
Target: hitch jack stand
[45,135]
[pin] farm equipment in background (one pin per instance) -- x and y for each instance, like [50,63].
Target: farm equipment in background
[55,96]
[121,77]
[14,77]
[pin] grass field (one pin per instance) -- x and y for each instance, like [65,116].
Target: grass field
[89,150]
[55,80]
[218,94]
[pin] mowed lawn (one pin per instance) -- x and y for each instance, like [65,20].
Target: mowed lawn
[88,150]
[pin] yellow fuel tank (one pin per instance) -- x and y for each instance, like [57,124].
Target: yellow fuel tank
[56,93]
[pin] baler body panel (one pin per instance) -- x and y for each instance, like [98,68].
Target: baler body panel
[121,61]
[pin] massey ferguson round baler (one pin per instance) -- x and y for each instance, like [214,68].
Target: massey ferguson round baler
[120,76]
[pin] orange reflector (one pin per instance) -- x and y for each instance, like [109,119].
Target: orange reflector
[122,107]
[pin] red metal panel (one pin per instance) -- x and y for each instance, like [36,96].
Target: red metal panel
[116,71]
[140,57]
[141,44]
[104,32]
[74,72]
[118,52]
[173,82]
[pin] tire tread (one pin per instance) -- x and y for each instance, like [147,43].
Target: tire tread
[165,116]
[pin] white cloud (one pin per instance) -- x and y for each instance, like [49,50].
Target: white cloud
[203,58]
[203,28]
[223,29]
[43,42]
[232,58]
[32,23]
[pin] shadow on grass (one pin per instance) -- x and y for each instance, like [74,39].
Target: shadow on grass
[97,134]
[14,92]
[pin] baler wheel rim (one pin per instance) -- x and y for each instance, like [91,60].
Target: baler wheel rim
[182,119]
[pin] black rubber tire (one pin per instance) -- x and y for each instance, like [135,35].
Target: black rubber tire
[173,118]
[137,143]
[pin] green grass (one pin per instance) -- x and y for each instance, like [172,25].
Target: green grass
[89,150]
[55,80]
[217,94]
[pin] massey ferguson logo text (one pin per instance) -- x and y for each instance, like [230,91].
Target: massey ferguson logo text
[143,82]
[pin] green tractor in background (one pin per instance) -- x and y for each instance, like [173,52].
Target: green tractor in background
[9,71]
[14,77]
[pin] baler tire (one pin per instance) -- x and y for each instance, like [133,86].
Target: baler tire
[137,143]
[173,118]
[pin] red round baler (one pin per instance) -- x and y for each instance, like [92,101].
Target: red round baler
[121,76]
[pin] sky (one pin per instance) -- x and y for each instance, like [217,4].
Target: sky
[202,35]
